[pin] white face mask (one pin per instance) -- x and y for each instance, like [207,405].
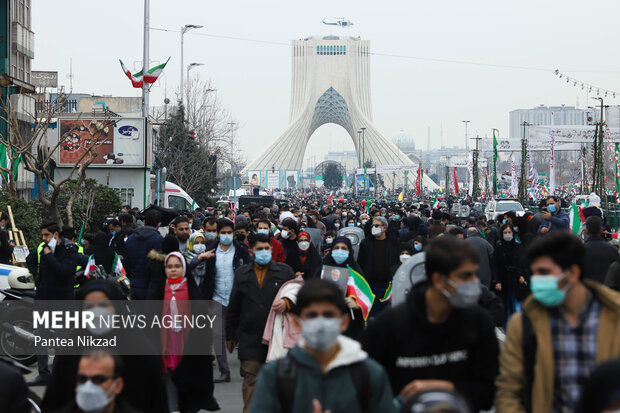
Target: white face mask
[211,236]
[404,257]
[284,234]
[376,231]
[508,237]
[200,248]
[52,244]
[304,245]
[92,398]
[329,240]
[364,221]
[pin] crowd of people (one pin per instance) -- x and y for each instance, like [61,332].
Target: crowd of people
[515,313]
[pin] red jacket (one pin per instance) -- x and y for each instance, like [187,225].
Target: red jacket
[277,250]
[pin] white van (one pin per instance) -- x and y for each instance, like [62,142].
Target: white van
[175,197]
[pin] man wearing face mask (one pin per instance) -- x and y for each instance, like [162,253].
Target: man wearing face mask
[221,259]
[209,228]
[567,327]
[439,338]
[325,371]
[264,227]
[99,384]
[378,253]
[255,288]
[553,217]
[53,267]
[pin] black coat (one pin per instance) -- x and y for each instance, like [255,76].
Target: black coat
[249,307]
[509,266]
[193,377]
[6,251]
[311,267]
[463,349]
[366,254]
[56,272]
[13,392]
[121,406]
[599,256]
[242,256]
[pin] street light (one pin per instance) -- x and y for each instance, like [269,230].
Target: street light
[184,30]
[466,122]
[191,66]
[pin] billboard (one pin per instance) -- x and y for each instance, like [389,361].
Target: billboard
[292,179]
[44,79]
[254,178]
[273,179]
[120,141]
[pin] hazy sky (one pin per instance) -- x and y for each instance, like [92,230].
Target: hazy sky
[253,78]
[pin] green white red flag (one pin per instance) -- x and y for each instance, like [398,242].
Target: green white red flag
[151,76]
[117,266]
[91,266]
[358,288]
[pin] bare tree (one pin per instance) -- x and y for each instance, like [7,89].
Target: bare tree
[38,151]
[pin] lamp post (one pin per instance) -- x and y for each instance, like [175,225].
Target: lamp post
[466,145]
[191,66]
[184,30]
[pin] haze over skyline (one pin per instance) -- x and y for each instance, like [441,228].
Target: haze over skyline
[247,56]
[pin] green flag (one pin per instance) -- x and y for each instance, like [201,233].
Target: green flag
[3,161]
[494,164]
[16,163]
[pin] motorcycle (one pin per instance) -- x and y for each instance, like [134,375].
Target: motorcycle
[16,332]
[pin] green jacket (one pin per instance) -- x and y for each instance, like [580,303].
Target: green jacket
[334,388]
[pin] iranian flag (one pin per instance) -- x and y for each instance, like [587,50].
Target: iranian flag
[91,266]
[150,77]
[576,218]
[117,266]
[435,203]
[388,294]
[358,288]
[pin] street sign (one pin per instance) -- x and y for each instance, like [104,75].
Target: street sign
[233,183]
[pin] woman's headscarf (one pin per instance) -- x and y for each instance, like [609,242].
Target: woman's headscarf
[192,239]
[180,257]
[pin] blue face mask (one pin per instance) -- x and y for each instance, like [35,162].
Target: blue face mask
[113,233]
[396,217]
[262,257]
[551,208]
[340,256]
[350,224]
[504,221]
[418,247]
[545,289]
[264,231]
[226,239]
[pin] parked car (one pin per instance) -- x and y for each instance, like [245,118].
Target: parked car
[501,206]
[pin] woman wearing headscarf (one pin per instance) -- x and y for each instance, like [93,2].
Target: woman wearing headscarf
[307,260]
[508,259]
[154,270]
[143,377]
[341,255]
[189,377]
[197,245]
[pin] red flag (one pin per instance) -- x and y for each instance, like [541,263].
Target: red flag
[456,183]
[418,181]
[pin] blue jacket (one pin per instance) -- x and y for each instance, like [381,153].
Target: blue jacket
[242,256]
[138,245]
[558,221]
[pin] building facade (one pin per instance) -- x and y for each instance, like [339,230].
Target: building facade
[542,115]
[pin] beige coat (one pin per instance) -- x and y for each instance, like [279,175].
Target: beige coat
[510,380]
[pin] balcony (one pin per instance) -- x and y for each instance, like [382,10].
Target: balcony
[55,107]
[23,40]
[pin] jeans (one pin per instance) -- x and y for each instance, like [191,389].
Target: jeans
[220,353]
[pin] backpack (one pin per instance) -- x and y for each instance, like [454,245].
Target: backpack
[529,359]
[286,383]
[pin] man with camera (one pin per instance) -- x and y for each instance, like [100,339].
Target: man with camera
[553,218]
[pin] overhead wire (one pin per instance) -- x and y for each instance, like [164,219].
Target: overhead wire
[399,56]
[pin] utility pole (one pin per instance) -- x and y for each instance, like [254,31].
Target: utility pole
[145,59]
[598,174]
[523,176]
[476,172]
[466,138]
[232,157]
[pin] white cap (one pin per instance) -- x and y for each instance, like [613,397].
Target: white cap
[594,200]
[287,214]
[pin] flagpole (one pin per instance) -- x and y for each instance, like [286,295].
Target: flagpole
[145,60]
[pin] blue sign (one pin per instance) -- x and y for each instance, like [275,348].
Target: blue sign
[127,130]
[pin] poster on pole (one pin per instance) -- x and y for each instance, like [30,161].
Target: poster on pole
[273,179]
[254,178]
[292,179]
[359,182]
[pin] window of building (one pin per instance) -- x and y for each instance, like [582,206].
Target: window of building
[126,195]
